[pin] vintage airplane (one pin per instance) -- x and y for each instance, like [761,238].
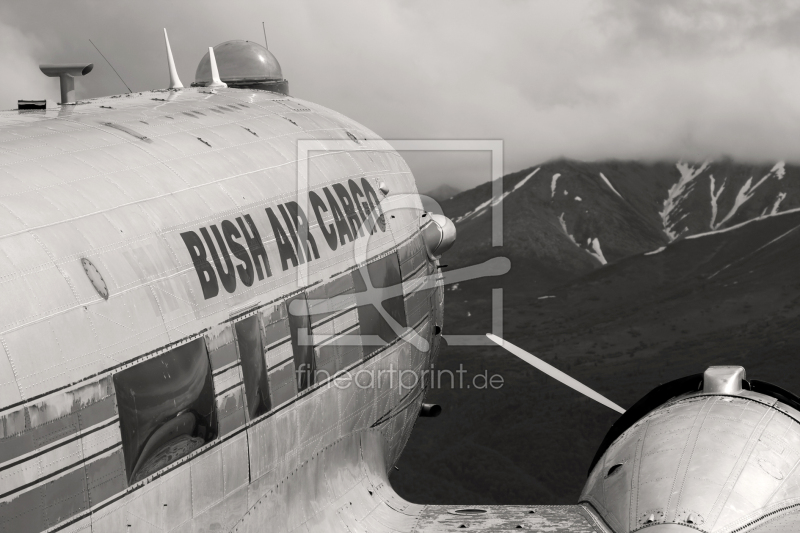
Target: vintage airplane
[206,327]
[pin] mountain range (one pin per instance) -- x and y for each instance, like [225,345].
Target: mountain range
[442,192]
[624,275]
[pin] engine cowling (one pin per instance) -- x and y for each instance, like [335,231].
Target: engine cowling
[718,458]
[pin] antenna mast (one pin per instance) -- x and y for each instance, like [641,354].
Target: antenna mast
[112,67]
[265,36]
[174,80]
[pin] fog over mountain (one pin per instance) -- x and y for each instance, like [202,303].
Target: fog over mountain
[587,80]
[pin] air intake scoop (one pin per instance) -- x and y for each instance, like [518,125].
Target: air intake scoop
[723,379]
[67,73]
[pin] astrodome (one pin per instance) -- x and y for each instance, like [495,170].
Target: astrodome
[243,64]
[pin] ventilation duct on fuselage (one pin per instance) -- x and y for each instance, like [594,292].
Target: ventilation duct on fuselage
[67,73]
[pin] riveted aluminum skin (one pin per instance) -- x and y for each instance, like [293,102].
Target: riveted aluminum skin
[706,461]
[117,181]
[439,234]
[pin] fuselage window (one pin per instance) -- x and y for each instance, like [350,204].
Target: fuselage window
[334,325]
[304,364]
[254,368]
[416,286]
[227,371]
[166,408]
[375,329]
[279,353]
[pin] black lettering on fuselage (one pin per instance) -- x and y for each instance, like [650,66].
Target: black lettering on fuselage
[361,205]
[255,245]
[303,230]
[285,249]
[338,218]
[374,204]
[227,276]
[205,272]
[349,210]
[329,232]
[245,270]
[292,233]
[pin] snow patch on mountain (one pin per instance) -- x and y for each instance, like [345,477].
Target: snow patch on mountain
[595,251]
[472,213]
[564,227]
[714,197]
[779,169]
[484,206]
[578,199]
[744,194]
[553,184]
[675,196]
[739,225]
[594,244]
[524,180]
[609,185]
[781,197]
[656,251]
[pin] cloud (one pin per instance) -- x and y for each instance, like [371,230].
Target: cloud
[22,78]
[702,26]
[584,79]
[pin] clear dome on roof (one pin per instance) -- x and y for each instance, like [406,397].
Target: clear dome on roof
[240,62]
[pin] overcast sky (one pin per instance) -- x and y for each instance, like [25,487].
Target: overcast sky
[582,79]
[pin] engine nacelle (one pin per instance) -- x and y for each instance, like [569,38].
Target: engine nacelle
[722,455]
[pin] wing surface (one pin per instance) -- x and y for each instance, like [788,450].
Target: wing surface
[550,518]
[345,488]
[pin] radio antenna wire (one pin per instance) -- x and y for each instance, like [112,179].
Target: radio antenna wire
[112,67]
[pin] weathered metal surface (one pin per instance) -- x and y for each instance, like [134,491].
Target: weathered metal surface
[120,181]
[707,461]
[537,518]
[171,398]
[345,487]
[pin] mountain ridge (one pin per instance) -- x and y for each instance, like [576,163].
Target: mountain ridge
[682,288]
[572,217]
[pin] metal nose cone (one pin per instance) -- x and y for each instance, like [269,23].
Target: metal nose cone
[439,234]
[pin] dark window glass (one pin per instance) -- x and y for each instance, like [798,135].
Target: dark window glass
[279,354]
[254,369]
[166,408]
[335,329]
[383,273]
[276,325]
[283,383]
[300,328]
[221,348]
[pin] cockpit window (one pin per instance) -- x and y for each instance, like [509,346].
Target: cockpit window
[166,408]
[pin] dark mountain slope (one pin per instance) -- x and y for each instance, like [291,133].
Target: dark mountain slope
[566,218]
[729,297]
